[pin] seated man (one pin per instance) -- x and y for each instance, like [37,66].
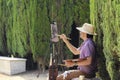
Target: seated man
[87,52]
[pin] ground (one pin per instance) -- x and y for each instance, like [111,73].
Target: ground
[28,75]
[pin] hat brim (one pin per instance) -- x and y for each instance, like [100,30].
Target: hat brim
[82,30]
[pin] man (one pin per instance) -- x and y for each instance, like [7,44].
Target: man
[86,66]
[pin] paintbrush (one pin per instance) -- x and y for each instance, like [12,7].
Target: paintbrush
[67,37]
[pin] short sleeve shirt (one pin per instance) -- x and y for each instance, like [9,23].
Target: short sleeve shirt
[87,49]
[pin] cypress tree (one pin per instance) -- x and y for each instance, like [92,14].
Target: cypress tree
[3,25]
[25,25]
[104,15]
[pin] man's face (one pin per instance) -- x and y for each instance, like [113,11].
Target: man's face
[82,35]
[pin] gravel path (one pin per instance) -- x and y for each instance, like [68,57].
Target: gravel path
[28,75]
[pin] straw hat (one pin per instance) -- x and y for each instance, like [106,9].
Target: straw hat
[87,28]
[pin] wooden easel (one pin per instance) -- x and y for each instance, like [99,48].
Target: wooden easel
[53,69]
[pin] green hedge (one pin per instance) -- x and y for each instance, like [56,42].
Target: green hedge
[25,24]
[105,15]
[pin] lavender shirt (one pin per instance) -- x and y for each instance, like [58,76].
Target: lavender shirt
[87,49]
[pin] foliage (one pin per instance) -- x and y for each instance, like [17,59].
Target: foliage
[3,18]
[105,16]
[25,24]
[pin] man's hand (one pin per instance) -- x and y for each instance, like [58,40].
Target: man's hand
[63,37]
[69,63]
